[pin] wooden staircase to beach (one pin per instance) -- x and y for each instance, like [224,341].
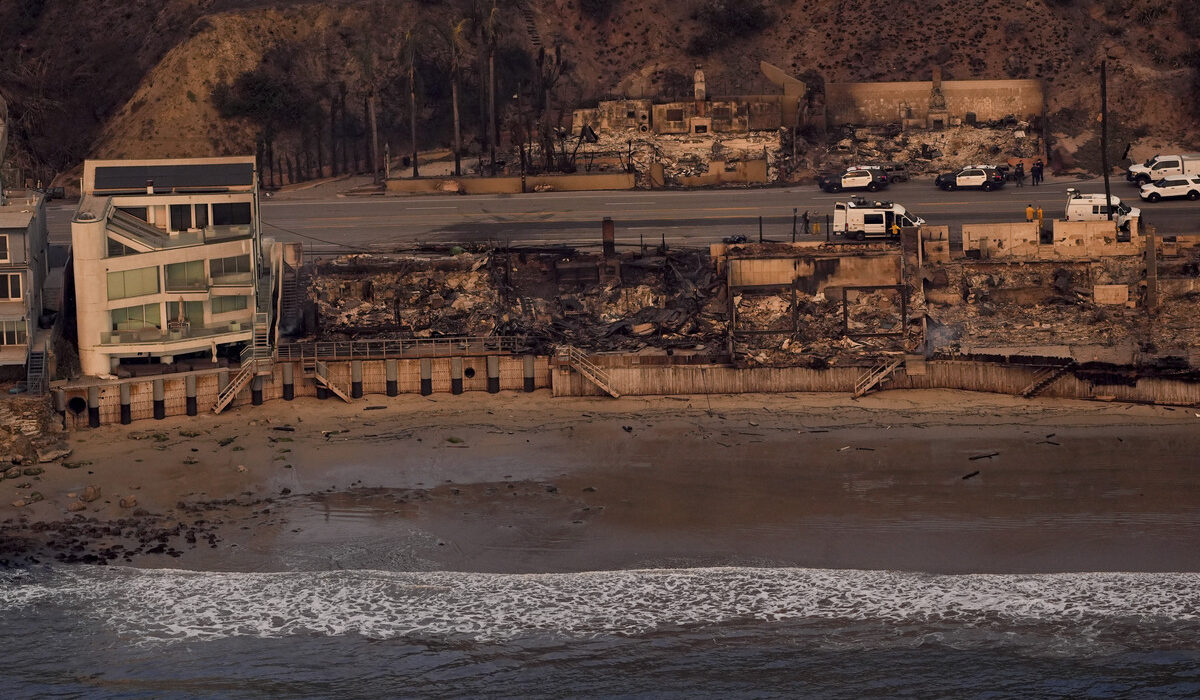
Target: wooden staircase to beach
[1044,377]
[877,376]
[256,361]
[582,364]
[318,371]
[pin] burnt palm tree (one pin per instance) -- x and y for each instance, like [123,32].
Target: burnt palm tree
[409,49]
[455,36]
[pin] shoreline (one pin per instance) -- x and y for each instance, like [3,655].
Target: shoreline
[526,483]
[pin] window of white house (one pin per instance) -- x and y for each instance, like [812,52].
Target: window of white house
[185,276]
[221,305]
[4,249]
[10,286]
[231,214]
[235,269]
[181,217]
[193,312]
[13,333]
[132,283]
[132,318]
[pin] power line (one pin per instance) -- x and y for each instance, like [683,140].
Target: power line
[314,238]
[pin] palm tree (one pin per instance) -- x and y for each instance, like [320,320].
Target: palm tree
[489,32]
[410,58]
[455,36]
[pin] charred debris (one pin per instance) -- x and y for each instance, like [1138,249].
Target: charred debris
[810,304]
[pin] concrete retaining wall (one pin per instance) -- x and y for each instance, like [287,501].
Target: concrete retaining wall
[374,377]
[886,103]
[511,184]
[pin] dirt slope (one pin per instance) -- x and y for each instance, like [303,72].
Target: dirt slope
[136,78]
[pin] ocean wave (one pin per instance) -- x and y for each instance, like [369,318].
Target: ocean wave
[163,605]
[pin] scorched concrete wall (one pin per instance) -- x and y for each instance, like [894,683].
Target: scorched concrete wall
[886,103]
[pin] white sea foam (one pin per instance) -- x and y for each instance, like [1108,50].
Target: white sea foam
[168,604]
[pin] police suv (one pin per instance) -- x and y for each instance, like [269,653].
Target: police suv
[984,177]
[871,178]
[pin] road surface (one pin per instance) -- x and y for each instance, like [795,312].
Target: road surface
[323,220]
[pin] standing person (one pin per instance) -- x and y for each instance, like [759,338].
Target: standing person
[1019,174]
[1038,172]
[1040,217]
[805,220]
[1029,212]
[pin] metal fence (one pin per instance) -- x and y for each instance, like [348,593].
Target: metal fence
[403,348]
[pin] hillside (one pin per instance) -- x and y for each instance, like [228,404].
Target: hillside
[138,79]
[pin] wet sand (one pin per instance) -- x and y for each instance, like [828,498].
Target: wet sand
[936,481]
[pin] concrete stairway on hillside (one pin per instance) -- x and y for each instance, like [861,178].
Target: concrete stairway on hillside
[530,24]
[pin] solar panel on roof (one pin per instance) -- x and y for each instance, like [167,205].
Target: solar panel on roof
[133,177]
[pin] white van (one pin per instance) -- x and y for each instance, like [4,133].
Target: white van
[1092,207]
[1159,167]
[860,218]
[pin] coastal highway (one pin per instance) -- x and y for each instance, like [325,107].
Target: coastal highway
[327,221]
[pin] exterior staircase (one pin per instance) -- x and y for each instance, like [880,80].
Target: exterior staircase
[530,24]
[35,372]
[1044,377]
[318,371]
[293,284]
[877,376]
[256,361]
[590,370]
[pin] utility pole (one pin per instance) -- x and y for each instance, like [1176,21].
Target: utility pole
[492,103]
[1104,136]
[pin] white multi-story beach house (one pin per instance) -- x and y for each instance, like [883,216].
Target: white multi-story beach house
[23,266]
[167,259]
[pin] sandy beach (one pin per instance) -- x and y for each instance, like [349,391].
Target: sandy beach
[937,481]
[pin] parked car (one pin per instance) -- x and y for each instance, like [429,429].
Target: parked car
[1176,186]
[871,178]
[896,172]
[1161,166]
[984,177]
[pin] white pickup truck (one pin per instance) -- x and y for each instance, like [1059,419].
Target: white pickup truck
[1161,166]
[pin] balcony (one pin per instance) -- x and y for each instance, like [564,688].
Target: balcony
[233,279]
[153,238]
[175,332]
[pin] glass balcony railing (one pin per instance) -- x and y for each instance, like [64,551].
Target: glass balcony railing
[213,234]
[233,279]
[175,331]
[185,286]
